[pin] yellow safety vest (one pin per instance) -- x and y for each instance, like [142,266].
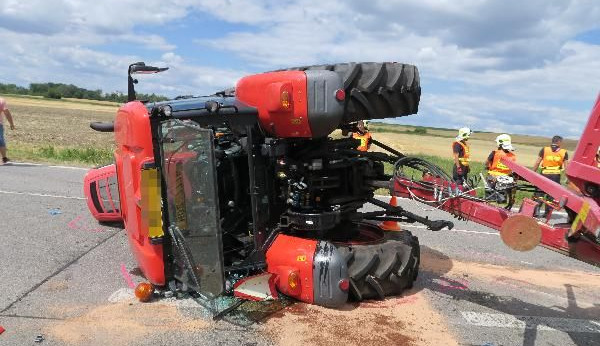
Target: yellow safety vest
[553,160]
[464,160]
[498,168]
[364,140]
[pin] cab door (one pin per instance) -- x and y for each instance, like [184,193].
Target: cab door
[188,169]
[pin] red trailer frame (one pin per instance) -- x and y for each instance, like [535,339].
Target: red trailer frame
[578,239]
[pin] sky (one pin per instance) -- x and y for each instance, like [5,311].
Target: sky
[528,67]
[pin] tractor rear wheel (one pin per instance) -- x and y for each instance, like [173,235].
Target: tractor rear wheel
[376,90]
[381,269]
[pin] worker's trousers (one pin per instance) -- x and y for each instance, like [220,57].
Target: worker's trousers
[541,194]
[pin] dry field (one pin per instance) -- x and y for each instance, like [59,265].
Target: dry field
[65,124]
[41,122]
[58,131]
[518,139]
[442,146]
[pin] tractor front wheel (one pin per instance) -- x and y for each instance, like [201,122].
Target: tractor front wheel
[383,268]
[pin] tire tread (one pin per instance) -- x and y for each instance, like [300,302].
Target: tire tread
[382,269]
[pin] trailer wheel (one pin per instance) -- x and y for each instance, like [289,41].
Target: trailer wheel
[376,90]
[382,269]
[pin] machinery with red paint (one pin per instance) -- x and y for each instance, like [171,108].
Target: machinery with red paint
[216,190]
[246,186]
[579,237]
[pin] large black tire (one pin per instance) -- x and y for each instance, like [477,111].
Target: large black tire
[376,90]
[382,269]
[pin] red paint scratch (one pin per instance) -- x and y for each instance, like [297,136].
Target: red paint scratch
[75,224]
[126,276]
[452,284]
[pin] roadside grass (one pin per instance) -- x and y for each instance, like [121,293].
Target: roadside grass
[62,155]
[85,155]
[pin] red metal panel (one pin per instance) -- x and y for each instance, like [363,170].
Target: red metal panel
[579,173]
[288,254]
[583,163]
[264,91]
[574,201]
[554,238]
[95,175]
[583,168]
[528,207]
[134,147]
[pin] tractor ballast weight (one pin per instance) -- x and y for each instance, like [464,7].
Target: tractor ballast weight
[226,186]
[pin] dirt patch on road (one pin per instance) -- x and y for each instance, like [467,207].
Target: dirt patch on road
[407,320]
[122,323]
[432,262]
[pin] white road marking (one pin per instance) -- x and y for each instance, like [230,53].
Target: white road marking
[495,320]
[51,166]
[478,232]
[40,195]
[454,230]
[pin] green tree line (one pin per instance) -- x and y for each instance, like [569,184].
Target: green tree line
[60,90]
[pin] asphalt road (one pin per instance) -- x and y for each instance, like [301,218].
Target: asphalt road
[68,279]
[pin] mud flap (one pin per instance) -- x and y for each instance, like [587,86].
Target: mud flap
[189,172]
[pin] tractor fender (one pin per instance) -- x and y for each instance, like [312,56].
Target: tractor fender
[330,273]
[318,264]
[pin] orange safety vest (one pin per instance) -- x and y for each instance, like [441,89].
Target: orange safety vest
[553,160]
[498,168]
[464,160]
[365,140]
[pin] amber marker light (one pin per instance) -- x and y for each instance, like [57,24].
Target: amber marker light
[293,280]
[285,99]
[144,291]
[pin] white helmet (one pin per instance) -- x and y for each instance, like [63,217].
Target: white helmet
[463,133]
[505,142]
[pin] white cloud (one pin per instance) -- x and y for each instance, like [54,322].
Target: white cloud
[64,46]
[187,79]
[504,62]
[492,64]
[497,115]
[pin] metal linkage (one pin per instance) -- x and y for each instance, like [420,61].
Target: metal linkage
[434,225]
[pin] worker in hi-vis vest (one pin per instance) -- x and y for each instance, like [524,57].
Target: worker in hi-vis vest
[461,153]
[497,169]
[553,160]
[364,135]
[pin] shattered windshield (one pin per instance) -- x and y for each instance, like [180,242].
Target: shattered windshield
[189,170]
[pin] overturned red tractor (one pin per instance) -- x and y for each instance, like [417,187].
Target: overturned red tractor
[247,186]
[246,181]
